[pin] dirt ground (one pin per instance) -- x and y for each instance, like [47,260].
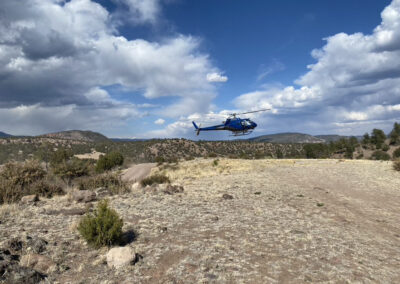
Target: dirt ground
[280,221]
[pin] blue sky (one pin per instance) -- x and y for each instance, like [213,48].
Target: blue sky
[146,68]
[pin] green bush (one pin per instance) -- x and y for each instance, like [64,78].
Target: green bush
[112,182]
[315,151]
[380,155]
[215,162]
[396,165]
[109,161]
[20,179]
[155,179]
[385,147]
[60,156]
[68,170]
[103,227]
[378,137]
[396,153]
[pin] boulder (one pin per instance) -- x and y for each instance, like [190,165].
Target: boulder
[120,257]
[12,272]
[83,195]
[29,199]
[40,263]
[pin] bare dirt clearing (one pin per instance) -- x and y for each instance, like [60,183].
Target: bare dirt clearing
[137,172]
[289,221]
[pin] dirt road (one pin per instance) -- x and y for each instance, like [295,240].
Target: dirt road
[136,173]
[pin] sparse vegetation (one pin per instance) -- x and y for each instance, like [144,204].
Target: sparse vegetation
[70,169]
[103,227]
[380,155]
[395,134]
[109,161]
[396,165]
[155,179]
[20,179]
[378,138]
[110,181]
[396,153]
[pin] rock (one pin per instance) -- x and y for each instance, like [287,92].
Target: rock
[120,257]
[172,189]
[14,245]
[40,263]
[12,272]
[29,199]
[83,195]
[37,245]
[101,192]
[227,196]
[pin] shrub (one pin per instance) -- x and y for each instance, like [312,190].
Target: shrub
[59,156]
[20,179]
[385,147]
[380,155]
[103,227]
[378,137]
[396,153]
[396,165]
[109,161]
[71,169]
[112,182]
[155,179]
[215,162]
[159,160]
[315,151]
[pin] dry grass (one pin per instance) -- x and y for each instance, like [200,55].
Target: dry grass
[271,231]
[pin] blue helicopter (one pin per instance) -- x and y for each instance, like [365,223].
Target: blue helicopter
[238,126]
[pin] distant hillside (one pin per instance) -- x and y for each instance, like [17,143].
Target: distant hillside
[335,137]
[128,139]
[80,135]
[288,138]
[4,135]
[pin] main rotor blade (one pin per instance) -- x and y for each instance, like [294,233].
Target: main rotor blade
[251,111]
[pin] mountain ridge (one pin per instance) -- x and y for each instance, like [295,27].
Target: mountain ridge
[81,135]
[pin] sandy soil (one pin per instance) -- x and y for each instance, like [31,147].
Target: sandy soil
[136,173]
[289,221]
[94,155]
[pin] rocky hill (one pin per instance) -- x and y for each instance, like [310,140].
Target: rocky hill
[80,135]
[288,138]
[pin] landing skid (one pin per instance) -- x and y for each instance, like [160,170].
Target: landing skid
[241,133]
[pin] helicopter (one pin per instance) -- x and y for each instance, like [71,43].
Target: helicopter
[238,126]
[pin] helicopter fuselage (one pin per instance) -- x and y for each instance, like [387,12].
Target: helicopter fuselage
[236,125]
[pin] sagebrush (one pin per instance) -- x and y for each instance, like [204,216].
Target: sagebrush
[20,179]
[111,181]
[155,179]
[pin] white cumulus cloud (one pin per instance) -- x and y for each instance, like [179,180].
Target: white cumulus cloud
[216,77]
[352,87]
[159,121]
[64,54]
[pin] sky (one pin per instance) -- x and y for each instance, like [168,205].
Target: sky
[147,68]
